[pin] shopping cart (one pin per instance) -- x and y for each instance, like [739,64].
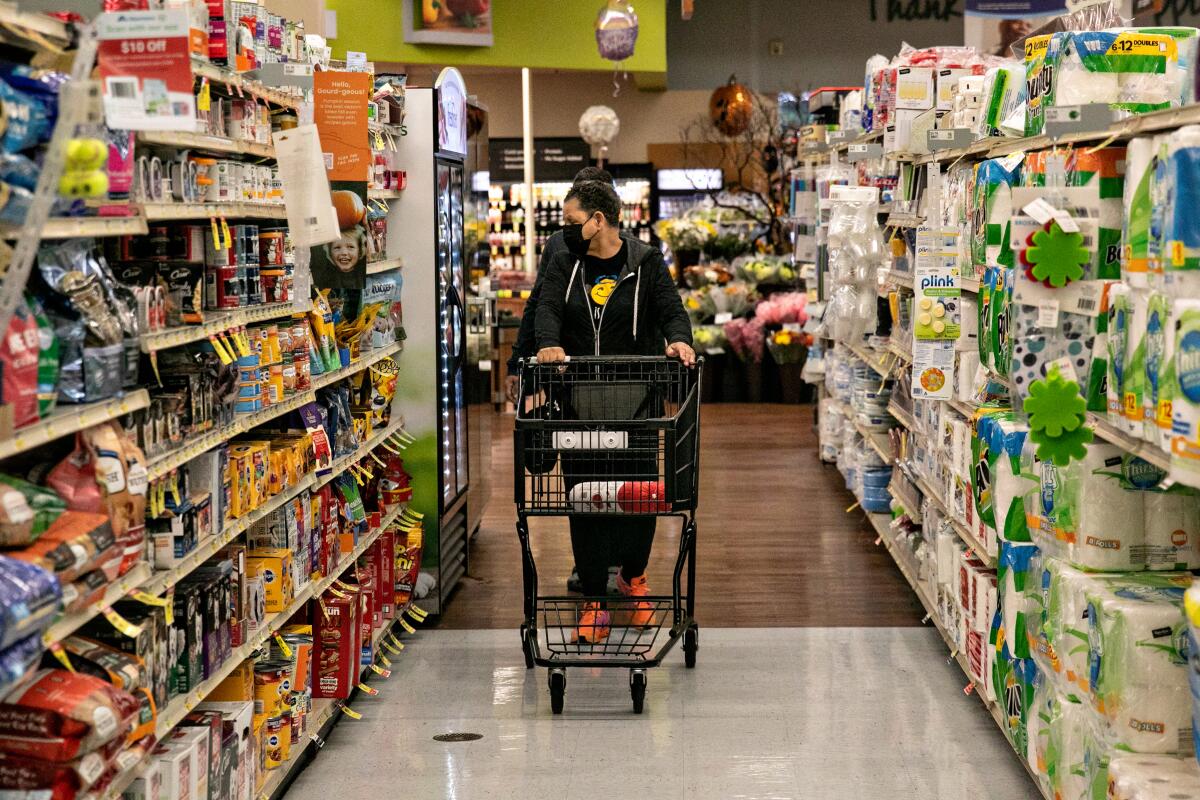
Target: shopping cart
[608,437]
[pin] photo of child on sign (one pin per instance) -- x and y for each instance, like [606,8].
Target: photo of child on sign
[342,263]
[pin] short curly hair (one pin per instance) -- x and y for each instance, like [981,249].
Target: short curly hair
[592,174]
[594,196]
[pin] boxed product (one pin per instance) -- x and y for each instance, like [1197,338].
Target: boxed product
[195,741]
[188,632]
[176,766]
[152,646]
[915,88]
[238,724]
[336,647]
[275,567]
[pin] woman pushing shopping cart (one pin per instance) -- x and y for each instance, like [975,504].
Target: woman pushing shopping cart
[607,434]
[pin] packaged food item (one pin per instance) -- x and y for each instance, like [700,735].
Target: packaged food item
[63,715]
[26,510]
[18,660]
[77,542]
[19,359]
[29,597]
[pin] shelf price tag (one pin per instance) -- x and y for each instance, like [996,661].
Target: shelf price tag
[57,649]
[283,646]
[123,625]
[362,687]
[351,713]
[378,670]
[204,98]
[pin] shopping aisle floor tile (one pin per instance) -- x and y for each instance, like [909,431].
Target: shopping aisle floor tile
[780,713]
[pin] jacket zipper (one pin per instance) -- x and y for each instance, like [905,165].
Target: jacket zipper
[597,326]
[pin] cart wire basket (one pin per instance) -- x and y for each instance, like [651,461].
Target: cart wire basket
[608,437]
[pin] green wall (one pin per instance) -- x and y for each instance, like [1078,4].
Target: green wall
[546,34]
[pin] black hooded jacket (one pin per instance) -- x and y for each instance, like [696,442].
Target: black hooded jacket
[642,311]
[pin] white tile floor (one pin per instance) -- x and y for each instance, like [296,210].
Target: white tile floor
[799,713]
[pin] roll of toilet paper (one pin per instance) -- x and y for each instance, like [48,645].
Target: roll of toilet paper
[1181,231]
[1172,528]
[1137,206]
[1185,405]
[1184,77]
[1120,311]
[1137,661]
[1134,776]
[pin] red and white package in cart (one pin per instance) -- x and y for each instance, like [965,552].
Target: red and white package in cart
[146,71]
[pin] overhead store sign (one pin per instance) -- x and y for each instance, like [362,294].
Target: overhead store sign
[553,159]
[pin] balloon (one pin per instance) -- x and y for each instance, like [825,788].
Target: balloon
[616,30]
[731,107]
[599,125]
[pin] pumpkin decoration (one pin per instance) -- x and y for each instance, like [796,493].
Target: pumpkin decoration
[349,208]
[730,107]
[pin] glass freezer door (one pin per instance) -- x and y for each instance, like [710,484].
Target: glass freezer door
[452,318]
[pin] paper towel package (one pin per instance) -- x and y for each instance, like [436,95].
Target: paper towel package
[1014,574]
[1181,232]
[1172,528]
[1186,39]
[1130,70]
[1134,776]
[1120,313]
[1007,440]
[1064,627]
[1191,610]
[1185,408]
[1135,389]
[1042,55]
[1137,661]
[1137,207]
[1157,352]
[1069,733]
[992,211]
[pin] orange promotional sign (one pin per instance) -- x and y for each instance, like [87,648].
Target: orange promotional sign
[340,113]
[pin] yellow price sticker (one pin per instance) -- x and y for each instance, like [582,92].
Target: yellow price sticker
[351,713]
[123,625]
[404,624]
[362,687]
[386,662]
[283,646]
[149,599]
[419,610]
[378,670]
[216,233]
[394,651]
[396,642]
[227,234]
[204,99]
[62,656]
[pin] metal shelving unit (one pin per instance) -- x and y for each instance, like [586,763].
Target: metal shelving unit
[66,420]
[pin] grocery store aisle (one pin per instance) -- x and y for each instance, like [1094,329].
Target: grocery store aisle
[775,545]
[801,713]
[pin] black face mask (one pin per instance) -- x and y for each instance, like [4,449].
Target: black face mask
[573,239]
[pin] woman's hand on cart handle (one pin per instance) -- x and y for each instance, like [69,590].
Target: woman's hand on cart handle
[683,352]
[551,355]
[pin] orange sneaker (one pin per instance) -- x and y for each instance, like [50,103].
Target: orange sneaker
[593,624]
[641,614]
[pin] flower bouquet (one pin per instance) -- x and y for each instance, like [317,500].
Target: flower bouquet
[783,308]
[709,339]
[787,347]
[706,275]
[736,298]
[699,305]
[745,338]
[685,234]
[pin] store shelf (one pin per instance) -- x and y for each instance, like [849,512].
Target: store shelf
[68,419]
[383,194]
[163,464]
[874,359]
[234,82]
[35,26]
[879,442]
[964,533]
[900,351]
[882,525]
[910,504]
[1131,444]
[905,419]
[183,705]
[72,227]
[209,144]
[966,409]
[219,322]
[69,623]
[162,580]
[866,138]
[899,278]
[376,267]
[340,465]
[899,219]
[166,212]
[128,774]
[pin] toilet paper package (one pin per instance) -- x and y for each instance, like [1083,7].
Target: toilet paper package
[1129,70]
[1068,735]
[1172,528]
[1181,227]
[1137,661]
[1083,513]
[1120,313]
[1061,643]
[1137,207]
[1136,776]
[1015,681]
[1185,406]
[1005,439]
[992,204]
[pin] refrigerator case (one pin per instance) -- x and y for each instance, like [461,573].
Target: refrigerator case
[425,230]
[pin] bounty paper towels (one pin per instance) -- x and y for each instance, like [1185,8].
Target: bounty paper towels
[1129,70]
[1181,229]
[1137,661]
[1134,776]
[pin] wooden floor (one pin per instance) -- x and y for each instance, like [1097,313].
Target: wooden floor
[776,547]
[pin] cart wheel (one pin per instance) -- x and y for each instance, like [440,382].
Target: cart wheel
[527,644]
[637,688]
[558,690]
[691,644]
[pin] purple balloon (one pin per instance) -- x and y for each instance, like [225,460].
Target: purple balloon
[616,44]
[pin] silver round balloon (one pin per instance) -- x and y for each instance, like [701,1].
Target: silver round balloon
[616,30]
